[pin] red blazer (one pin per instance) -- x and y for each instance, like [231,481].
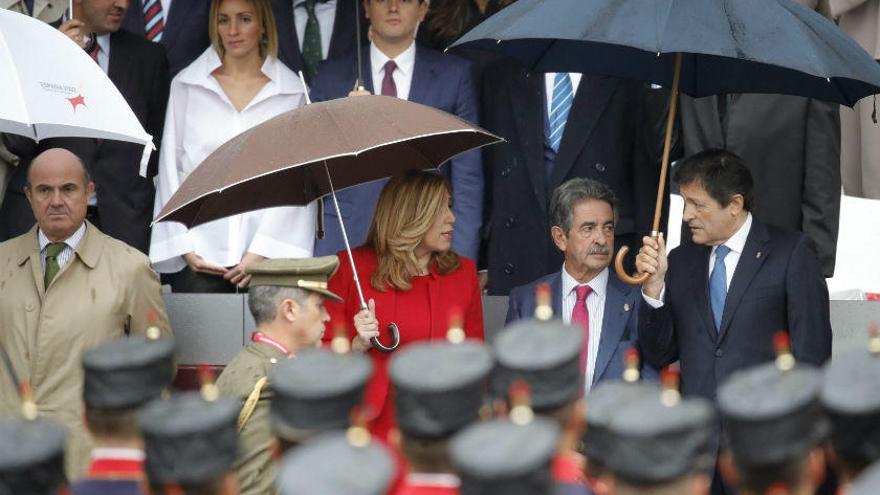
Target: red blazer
[458,289]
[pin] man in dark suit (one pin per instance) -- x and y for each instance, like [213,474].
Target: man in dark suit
[122,206]
[418,74]
[583,212]
[181,26]
[301,46]
[557,127]
[717,303]
[792,148]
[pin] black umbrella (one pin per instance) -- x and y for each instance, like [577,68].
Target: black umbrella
[700,47]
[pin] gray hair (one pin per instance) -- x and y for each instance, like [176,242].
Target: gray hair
[263,300]
[572,192]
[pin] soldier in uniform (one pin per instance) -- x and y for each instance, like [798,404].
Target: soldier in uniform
[191,442]
[774,426]
[556,381]
[286,299]
[604,402]
[315,392]
[509,455]
[438,390]
[338,463]
[120,377]
[661,444]
[851,398]
[31,457]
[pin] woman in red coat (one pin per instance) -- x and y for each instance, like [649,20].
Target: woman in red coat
[410,276]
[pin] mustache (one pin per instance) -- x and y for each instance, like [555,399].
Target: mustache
[600,250]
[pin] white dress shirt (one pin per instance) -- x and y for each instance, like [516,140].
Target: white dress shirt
[200,118]
[550,82]
[403,74]
[596,309]
[70,246]
[326,14]
[736,243]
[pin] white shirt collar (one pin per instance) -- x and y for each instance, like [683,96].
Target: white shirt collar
[448,480]
[72,241]
[737,241]
[281,79]
[599,283]
[406,61]
[118,453]
[104,42]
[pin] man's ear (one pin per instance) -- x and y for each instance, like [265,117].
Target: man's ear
[288,310]
[28,193]
[728,469]
[90,189]
[736,204]
[559,238]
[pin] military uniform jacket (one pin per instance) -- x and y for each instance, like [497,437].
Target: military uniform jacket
[255,466]
[106,290]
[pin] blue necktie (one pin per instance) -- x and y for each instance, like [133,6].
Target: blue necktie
[718,285]
[559,108]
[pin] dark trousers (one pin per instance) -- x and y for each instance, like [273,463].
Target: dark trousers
[188,281]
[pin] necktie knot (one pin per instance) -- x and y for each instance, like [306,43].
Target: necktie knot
[721,252]
[54,249]
[389,67]
[582,292]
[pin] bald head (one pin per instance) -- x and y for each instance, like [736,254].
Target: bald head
[58,189]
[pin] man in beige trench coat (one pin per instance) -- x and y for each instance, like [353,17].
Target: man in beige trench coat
[98,289]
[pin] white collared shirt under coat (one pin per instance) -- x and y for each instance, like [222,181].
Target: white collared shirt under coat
[596,308]
[403,74]
[200,118]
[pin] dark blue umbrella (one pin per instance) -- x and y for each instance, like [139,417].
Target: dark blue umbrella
[700,47]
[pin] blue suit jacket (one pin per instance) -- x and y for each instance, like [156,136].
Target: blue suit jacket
[620,323]
[441,81]
[777,285]
[185,36]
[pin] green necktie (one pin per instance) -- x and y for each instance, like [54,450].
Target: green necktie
[311,49]
[52,267]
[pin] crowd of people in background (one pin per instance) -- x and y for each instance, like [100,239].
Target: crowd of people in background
[537,218]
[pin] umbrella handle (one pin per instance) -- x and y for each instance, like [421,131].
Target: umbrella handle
[395,340]
[621,272]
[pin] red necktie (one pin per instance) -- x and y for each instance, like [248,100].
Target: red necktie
[388,86]
[580,317]
[92,48]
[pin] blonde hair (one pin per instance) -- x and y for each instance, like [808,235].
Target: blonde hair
[269,42]
[407,207]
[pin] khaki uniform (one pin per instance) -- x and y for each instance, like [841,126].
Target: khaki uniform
[255,466]
[105,290]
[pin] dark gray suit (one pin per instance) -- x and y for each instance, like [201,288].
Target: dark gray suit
[792,147]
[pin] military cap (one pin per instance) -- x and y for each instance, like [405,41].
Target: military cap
[503,456]
[127,372]
[439,386]
[336,463]
[316,391]
[546,355]
[653,441]
[189,439]
[310,274]
[851,397]
[32,456]
[867,483]
[604,402]
[772,414]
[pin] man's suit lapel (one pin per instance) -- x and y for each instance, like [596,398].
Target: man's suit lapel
[753,256]
[118,67]
[423,74]
[366,69]
[556,294]
[613,322]
[592,97]
[700,277]
[343,24]
[286,28]
[176,17]
[527,99]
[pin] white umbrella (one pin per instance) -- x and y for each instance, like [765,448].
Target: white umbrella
[50,87]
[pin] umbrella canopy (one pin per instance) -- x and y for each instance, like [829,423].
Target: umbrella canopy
[728,46]
[50,87]
[287,160]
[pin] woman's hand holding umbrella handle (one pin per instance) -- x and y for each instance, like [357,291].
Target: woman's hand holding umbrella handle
[367,327]
[651,262]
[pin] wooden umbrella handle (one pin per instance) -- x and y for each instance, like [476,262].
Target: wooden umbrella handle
[640,278]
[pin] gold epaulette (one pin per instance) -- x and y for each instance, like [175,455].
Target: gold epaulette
[251,403]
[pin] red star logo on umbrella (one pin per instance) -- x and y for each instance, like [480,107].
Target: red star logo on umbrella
[77,100]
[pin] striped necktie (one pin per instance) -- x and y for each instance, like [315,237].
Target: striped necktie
[560,106]
[154,20]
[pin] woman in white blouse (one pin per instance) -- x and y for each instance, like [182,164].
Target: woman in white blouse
[235,84]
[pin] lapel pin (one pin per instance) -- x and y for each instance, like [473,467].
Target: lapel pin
[626,306]
[758,256]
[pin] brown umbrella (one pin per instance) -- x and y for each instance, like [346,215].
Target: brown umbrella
[304,154]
